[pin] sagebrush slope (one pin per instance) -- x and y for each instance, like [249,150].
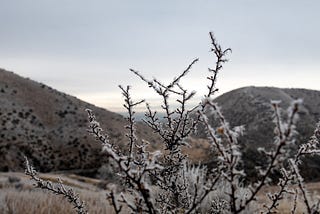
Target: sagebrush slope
[251,106]
[49,127]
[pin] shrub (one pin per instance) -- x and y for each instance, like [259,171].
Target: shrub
[167,182]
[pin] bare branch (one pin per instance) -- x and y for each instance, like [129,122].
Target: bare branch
[58,189]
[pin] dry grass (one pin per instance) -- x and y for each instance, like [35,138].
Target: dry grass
[286,204]
[20,197]
[200,152]
[37,201]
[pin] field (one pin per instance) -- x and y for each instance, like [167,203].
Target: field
[17,195]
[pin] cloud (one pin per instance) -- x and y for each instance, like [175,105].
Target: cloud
[81,46]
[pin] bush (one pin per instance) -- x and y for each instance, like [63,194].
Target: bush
[167,182]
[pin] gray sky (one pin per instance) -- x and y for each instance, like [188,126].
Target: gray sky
[85,48]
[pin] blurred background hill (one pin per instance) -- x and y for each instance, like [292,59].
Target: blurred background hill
[50,127]
[251,107]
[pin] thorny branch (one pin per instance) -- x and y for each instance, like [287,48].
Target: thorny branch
[282,141]
[129,105]
[137,178]
[58,189]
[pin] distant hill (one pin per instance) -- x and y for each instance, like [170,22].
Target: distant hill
[251,107]
[50,128]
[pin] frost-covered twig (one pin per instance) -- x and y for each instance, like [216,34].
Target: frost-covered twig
[220,54]
[58,189]
[292,174]
[229,154]
[198,200]
[129,105]
[134,175]
[301,186]
[311,147]
[284,138]
[114,202]
[295,202]
[177,127]
[178,123]
[287,179]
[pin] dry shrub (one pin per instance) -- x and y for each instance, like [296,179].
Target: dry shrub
[180,186]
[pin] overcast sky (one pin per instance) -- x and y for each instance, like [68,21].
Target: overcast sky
[85,48]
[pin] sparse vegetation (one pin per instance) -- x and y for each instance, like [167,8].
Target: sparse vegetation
[167,182]
[17,195]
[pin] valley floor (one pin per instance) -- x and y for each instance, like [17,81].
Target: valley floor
[17,195]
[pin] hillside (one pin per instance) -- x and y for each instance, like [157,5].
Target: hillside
[250,106]
[50,128]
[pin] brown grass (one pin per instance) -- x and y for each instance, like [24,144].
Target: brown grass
[38,201]
[286,204]
[23,198]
